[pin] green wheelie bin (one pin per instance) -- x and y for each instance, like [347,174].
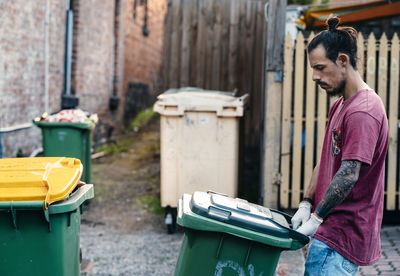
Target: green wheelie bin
[68,140]
[227,236]
[40,208]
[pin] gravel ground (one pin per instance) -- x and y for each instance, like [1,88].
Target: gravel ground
[145,252]
[123,230]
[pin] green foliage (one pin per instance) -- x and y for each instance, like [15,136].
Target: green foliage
[142,118]
[300,2]
[151,203]
[307,2]
[111,148]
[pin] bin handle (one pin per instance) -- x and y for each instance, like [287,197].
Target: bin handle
[244,97]
[293,233]
[46,182]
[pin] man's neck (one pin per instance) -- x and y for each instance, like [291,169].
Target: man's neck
[354,83]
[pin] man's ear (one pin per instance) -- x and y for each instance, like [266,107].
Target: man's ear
[342,60]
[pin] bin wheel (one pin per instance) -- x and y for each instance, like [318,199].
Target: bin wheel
[170,220]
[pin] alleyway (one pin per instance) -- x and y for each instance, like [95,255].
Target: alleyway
[123,231]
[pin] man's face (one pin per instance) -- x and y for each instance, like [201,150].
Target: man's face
[327,74]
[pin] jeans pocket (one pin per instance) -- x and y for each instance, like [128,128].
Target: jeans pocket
[349,266]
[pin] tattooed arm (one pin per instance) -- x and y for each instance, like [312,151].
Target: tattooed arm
[340,187]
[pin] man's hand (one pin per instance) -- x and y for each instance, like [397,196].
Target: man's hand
[302,214]
[310,227]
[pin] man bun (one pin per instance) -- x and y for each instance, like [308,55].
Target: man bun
[337,40]
[332,23]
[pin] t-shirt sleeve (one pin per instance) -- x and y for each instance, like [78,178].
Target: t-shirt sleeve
[361,132]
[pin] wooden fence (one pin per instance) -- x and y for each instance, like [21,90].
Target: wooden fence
[305,109]
[218,45]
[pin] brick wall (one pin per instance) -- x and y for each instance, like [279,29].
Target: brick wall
[99,61]
[143,54]
[93,54]
[22,68]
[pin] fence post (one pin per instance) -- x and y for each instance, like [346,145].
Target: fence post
[272,93]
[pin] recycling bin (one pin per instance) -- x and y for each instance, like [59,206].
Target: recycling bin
[68,140]
[40,207]
[227,236]
[199,142]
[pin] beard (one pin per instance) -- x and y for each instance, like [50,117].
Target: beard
[335,91]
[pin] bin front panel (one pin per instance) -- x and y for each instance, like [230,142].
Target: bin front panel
[214,253]
[199,151]
[33,248]
[30,244]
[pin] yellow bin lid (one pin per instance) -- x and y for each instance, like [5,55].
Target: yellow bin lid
[47,179]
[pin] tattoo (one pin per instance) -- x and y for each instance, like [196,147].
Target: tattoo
[340,187]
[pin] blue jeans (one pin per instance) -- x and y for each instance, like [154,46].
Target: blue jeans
[323,260]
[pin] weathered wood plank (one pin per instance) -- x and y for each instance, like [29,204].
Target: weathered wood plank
[272,102]
[297,120]
[185,48]
[210,38]
[224,47]
[249,71]
[383,69]
[393,125]
[233,45]
[286,122]
[310,125]
[371,61]
[242,46]
[167,47]
[275,35]
[194,57]
[174,76]
[216,46]
[258,73]
[201,43]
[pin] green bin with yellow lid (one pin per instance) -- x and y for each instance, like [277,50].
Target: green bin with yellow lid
[40,211]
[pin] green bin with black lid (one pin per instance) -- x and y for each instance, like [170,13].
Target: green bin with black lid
[230,236]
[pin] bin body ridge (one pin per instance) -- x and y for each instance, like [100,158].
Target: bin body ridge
[213,253]
[32,248]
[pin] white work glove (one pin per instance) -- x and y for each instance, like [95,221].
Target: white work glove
[310,227]
[302,214]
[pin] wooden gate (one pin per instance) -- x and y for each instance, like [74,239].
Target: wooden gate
[305,108]
[218,45]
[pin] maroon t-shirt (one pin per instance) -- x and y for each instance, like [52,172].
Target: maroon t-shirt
[357,130]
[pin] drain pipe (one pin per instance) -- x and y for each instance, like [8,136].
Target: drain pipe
[68,101]
[46,57]
[114,100]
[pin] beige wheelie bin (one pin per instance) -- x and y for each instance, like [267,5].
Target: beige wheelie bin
[199,144]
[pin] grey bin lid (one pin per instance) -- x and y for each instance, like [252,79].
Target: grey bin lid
[195,89]
[175,102]
[240,213]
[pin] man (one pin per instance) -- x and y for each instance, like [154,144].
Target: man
[346,190]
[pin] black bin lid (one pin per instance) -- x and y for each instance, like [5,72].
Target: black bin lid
[239,212]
